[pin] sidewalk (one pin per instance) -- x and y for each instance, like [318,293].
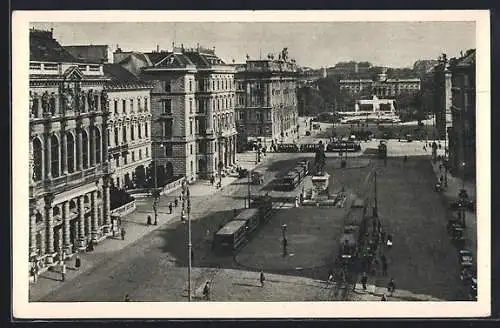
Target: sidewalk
[451,194]
[135,227]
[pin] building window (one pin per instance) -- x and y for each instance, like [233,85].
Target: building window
[133,156]
[140,154]
[167,106]
[131,105]
[169,150]
[192,169]
[115,109]
[125,159]
[124,134]
[190,86]
[124,106]
[146,127]
[116,137]
[147,152]
[139,131]
[191,149]
[168,128]
[168,86]
[85,150]
[132,132]
[190,127]
[146,100]
[97,141]
[70,152]
[37,159]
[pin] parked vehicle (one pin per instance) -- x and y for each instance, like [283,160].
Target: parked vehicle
[257,178]
[465,258]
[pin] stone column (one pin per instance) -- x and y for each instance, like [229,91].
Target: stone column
[38,107]
[33,212]
[48,153]
[94,208]
[49,225]
[64,153]
[79,151]
[81,224]
[66,228]
[106,205]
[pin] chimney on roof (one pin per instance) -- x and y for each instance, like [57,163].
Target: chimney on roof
[198,46]
[173,46]
[213,48]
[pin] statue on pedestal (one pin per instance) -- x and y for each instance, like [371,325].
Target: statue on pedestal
[319,160]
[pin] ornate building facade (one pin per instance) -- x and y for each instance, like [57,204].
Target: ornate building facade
[129,127]
[266,105]
[192,104]
[382,88]
[69,184]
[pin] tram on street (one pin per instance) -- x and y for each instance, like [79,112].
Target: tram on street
[230,237]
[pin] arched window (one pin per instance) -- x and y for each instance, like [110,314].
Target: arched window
[139,131]
[146,129]
[37,159]
[116,137]
[124,134]
[85,149]
[70,152]
[54,153]
[98,143]
[132,132]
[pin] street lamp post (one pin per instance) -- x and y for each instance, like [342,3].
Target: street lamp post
[190,245]
[249,174]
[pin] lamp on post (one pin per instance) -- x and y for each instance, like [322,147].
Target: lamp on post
[183,210]
[190,259]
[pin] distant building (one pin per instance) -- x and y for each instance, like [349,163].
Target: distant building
[350,70]
[383,87]
[192,103]
[69,190]
[266,103]
[462,136]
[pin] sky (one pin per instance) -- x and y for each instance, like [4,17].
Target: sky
[315,44]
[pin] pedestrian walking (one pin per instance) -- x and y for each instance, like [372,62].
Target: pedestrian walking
[389,241]
[212,180]
[176,202]
[384,298]
[262,278]
[123,233]
[127,298]
[34,272]
[391,287]
[149,220]
[63,271]
[78,262]
[170,208]
[206,291]
[364,280]
[330,275]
